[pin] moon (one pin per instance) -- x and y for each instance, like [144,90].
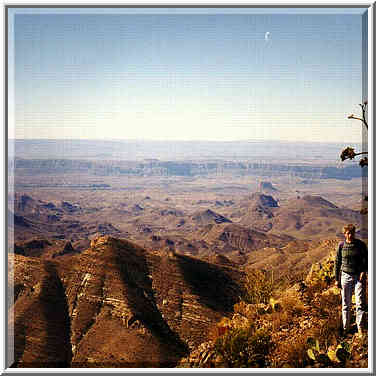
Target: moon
[267,35]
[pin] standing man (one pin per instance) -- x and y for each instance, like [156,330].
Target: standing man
[350,271]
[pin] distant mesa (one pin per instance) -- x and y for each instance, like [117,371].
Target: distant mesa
[268,201]
[209,216]
[174,212]
[100,185]
[312,216]
[203,202]
[258,211]
[138,208]
[318,201]
[49,205]
[267,186]
[145,230]
[107,228]
[306,181]
[69,207]
[264,200]
[312,201]
[27,210]
[224,203]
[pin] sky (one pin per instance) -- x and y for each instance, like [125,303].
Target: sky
[185,74]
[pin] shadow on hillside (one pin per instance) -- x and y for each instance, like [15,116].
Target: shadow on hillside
[56,314]
[45,317]
[19,340]
[215,288]
[134,272]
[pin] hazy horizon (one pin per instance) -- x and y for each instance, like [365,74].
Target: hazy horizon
[188,150]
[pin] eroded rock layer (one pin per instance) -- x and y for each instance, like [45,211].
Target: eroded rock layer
[115,305]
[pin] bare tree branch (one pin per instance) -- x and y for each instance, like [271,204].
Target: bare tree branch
[364,115]
[349,153]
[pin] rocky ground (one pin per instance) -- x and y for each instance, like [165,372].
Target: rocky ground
[303,327]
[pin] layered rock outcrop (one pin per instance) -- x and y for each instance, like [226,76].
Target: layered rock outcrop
[115,305]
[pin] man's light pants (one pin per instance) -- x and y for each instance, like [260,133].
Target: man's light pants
[348,283]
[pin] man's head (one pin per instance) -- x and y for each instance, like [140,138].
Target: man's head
[349,232]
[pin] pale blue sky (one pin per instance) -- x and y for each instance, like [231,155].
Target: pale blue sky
[198,74]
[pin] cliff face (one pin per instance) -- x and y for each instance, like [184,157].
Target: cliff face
[173,168]
[115,305]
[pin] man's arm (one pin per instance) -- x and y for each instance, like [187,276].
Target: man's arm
[364,260]
[337,265]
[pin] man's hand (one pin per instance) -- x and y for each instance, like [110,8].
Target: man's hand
[336,284]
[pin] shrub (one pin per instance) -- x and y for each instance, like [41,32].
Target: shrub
[321,276]
[244,347]
[259,286]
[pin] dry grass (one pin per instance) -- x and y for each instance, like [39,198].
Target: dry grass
[279,320]
[259,286]
[292,305]
[293,353]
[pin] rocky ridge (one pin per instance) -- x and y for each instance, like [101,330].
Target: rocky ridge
[115,305]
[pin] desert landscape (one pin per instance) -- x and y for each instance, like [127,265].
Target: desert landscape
[178,178]
[135,262]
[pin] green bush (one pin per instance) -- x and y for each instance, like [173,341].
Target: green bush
[244,347]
